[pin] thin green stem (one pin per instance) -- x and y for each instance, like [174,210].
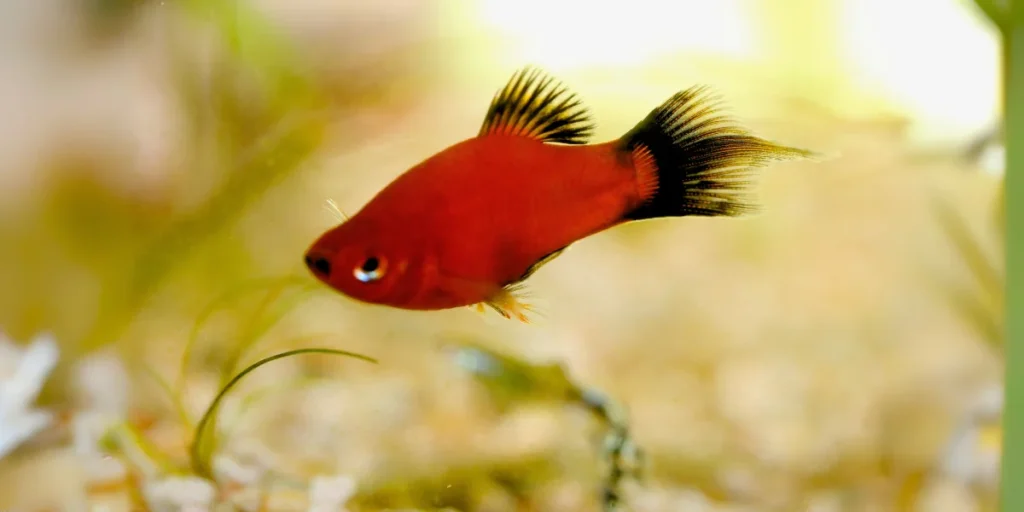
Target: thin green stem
[204,437]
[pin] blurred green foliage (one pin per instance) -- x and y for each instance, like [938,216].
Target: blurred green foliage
[254,115]
[259,144]
[512,381]
[980,302]
[277,303]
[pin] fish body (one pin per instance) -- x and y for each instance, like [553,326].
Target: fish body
[468,225]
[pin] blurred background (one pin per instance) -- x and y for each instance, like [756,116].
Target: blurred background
[164,164]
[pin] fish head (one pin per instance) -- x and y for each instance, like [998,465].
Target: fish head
[366,264]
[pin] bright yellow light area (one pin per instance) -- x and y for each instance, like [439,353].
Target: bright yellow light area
[565,34]
[929,56]
[930,59]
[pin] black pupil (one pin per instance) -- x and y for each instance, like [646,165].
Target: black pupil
[370,265]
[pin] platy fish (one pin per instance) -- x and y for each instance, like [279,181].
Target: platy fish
[468,225]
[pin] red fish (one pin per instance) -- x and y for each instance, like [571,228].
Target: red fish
[468,225]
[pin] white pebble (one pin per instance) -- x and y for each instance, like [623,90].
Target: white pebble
[22,374]
[330,493]
[103,383]
[225,468]
[178,494]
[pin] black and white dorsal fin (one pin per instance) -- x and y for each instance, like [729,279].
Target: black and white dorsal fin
[534,104]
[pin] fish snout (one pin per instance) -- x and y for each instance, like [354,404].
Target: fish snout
[318,264]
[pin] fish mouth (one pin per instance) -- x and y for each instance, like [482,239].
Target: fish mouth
[319,264]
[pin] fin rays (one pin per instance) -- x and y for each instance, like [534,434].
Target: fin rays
[534,104]
[704,161]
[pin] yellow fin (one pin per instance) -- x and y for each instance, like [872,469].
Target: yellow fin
[509,303]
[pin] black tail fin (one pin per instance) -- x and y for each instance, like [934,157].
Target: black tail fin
[694,160]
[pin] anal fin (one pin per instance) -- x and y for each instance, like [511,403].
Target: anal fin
[509,302]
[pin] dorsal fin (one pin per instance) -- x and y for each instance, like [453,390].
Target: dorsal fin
[534,104]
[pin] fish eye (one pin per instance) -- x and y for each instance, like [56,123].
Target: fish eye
[370,270]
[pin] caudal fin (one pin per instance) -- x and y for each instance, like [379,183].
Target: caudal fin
[693,160]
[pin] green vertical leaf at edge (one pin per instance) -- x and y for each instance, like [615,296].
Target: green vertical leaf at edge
[1012,478]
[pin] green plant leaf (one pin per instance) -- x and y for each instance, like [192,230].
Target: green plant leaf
[222,301]
[204,441]
[264,320]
